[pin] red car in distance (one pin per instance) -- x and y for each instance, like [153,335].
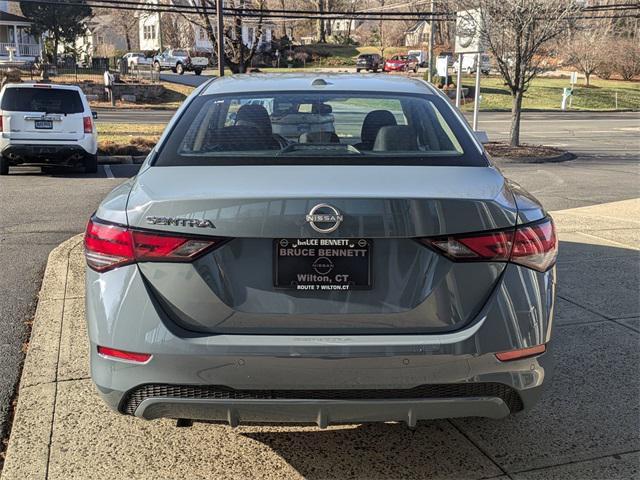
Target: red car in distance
[401,63]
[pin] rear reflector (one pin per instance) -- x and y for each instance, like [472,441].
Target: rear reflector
[521,353]
[123,355]
[534,245]
[108,246]
[88,124]
[1,124]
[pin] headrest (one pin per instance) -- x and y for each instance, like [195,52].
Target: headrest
[254,116]
[373,122]
[396,138]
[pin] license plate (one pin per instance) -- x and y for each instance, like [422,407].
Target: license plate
[44,124]
[322,264]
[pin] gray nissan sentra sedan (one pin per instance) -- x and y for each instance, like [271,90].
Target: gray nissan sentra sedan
[319,248]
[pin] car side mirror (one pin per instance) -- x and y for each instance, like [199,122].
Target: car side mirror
[482,136]
[94,115]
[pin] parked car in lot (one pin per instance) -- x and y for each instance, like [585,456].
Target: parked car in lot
[421,56]
[401,63]
[369,62]
[46,125]
[380,269]
[470,63]
[179,61]
[135,59]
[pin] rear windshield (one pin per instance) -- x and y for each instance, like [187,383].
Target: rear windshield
[48,100]
[179,53]
[319,127]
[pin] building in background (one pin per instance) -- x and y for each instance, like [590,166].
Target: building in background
[101,40]
[158,31]
[417,35]
[16,43]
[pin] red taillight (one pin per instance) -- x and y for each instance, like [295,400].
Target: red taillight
[521,353]
[123,355]
[108,246]
[534,246]
[88,124]
[1,123]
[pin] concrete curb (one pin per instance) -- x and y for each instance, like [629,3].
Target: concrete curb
[121,159]
[28,451]
[555,159]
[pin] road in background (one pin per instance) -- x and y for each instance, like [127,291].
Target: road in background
[130,115]
[37,212]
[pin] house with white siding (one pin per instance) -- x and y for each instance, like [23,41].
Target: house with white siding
[150,31]
[16,43]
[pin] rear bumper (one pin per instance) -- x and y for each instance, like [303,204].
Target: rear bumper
[319,379]
[322,413]
[48,154]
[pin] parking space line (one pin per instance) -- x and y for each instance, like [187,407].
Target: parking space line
[107,171]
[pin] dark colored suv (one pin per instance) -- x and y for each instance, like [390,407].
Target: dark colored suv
[369,61]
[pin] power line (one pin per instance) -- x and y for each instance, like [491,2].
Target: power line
[304,14]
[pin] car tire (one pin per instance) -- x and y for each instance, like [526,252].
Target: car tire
[375,70]
[179,69]
[197,71]
[91,163]
[156,66]
[357,70]
[4,165]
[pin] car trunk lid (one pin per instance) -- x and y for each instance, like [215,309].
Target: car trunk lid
[232,289]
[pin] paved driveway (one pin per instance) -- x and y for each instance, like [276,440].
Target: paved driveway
[587,426]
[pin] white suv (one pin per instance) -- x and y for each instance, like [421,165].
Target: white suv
[46,125]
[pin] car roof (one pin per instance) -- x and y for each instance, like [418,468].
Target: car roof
[43,85]
[319,81]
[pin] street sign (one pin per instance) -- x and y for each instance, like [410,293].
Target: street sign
[469,31]
[574,78]
[442,66]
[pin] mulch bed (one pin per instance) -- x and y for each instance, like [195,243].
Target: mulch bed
[527,152]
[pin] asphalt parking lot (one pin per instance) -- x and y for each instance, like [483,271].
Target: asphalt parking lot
[587,427]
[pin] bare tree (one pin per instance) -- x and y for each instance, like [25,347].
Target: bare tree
[126,25]
[517,32]
[321,34]
[585,51]
[628,63]
[237,55]
[176,31]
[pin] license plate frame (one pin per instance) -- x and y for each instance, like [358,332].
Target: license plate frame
[43,124]
[324,268]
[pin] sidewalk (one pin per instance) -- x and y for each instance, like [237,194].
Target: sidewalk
[587,426]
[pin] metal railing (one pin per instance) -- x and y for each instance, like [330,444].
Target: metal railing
[73,74]
[20,50]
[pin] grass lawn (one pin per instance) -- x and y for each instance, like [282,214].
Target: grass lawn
[546,93]
[127,138]
[172,98]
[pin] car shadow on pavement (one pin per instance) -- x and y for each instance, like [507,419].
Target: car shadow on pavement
[591,408]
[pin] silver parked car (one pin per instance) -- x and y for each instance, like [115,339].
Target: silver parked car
[379,268]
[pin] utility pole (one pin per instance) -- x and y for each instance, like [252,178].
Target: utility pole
[430,66]
[220,38]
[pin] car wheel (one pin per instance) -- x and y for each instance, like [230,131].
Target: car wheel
[156,66]
[357,70]
[91,163]
[180,69]
[375,70]
[4,166]
[197,71]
